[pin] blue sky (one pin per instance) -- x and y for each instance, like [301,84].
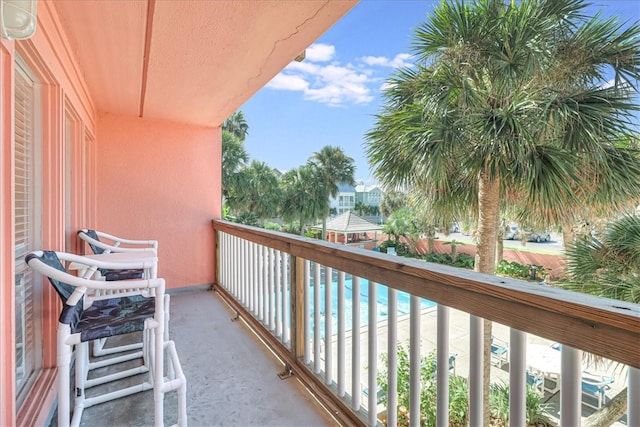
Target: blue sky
[331,97]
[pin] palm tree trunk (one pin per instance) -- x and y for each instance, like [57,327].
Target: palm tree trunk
[488,220]
[568,234]
[324,229]
[609,413]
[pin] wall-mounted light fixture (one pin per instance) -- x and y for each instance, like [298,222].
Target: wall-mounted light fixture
[301,57]
[18,18]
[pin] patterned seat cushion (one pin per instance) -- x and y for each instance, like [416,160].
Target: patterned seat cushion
[115,275]
[114,316]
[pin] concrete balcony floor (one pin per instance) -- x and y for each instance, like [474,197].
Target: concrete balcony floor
[232,377]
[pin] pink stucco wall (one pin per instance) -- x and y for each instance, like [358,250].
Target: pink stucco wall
[161,180]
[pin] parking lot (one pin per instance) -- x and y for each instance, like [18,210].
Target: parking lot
[553,246]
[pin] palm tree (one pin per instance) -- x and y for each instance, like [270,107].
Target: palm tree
[304,198]
[361,208]
[608,266]
[506,103]
[392,201]
[234,157]
[335,167]
[237,125]
[259,193]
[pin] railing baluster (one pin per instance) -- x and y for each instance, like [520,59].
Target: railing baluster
[271,311]
[476,360]
[243,272]
[278,289]
[414,363]
[633,397]
[252,277]
[517,377]
[373,354]
[570,386]
[261,290]
[235,280]
[341,334]
[316,318]
[328,326]
[286,289]
[442,373]
[307,312]
[356,388]
[392,358]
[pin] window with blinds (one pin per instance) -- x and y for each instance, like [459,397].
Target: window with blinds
[25,226]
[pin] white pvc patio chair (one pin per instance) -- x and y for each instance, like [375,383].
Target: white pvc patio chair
[104,243]
[499,351]
[139,307]
[594,387]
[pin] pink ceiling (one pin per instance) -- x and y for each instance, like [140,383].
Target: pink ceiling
[205,58]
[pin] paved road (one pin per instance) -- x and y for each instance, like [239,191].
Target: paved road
[555,245]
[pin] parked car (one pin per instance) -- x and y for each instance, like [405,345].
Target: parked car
[513,233]
[535,236]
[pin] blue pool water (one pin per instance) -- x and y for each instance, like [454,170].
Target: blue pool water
[382,296]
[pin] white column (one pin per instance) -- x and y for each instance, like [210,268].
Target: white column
[476,361]
[414,363]
[341,335]
[570,386]
[517,378]
[392,352]
[633,397]
[442,373]
[356,389]
[373,354]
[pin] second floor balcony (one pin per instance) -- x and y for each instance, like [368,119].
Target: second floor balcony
[340,321]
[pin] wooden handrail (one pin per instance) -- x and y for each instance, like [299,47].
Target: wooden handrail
[606,327]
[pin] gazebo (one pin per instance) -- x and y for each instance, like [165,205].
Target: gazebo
[346,224]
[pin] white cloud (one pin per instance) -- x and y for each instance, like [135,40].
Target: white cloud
[288,82]
[319,52]
[400,60]
[384,86]
[322,79]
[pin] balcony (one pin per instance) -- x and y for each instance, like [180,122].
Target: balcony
[275,284]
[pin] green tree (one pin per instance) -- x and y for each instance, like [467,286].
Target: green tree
[506,103]
[608,266]
[234,157]
[335,167]
[361,208]
[392,201]
[259,192]
[237,125]
[304,197]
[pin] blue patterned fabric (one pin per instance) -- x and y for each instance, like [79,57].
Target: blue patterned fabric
[114,316]
[112,275]
[104,318]
[92,233]
[70,314]
[115,275]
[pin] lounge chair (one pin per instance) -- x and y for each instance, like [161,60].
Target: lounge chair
[593,389]
[499,352]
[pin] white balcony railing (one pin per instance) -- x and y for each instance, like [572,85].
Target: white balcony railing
[287,288]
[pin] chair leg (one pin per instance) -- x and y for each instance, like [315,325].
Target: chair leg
[64,375]
[158,371]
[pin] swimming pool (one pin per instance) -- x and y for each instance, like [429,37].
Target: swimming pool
[382,297]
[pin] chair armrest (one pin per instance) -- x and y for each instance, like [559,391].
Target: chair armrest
[142,263]
[116,239]
[114,242]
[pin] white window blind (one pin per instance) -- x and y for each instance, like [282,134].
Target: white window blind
[24,215]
